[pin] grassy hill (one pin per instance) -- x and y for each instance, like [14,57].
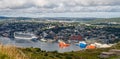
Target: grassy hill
[3,56]
[10,52]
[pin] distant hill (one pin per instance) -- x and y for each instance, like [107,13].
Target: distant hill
[47,18]
[105,20]
[90,20]
[69,18]
[17,18]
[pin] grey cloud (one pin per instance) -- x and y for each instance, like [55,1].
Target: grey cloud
[49,6]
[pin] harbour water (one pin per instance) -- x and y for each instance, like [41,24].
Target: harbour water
[43,45]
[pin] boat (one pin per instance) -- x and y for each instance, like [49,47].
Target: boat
[50,40]
[24,35]
[82,44]
[63,44]
[43,40]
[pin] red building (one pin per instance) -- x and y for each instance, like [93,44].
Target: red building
[76,37]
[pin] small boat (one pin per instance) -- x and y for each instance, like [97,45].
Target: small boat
[43,40]
[50,40]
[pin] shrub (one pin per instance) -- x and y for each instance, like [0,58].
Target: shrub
[68,57]
[45,54]
[37,49]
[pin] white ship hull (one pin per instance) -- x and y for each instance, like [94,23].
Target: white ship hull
[24,38]
[29,37]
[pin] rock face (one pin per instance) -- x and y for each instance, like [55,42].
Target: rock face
[112,52]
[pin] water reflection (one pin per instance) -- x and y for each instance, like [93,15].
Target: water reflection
[43,45]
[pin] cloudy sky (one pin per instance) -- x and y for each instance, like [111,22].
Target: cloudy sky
[60,8]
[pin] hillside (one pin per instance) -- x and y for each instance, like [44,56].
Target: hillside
[10,52]
[3,56]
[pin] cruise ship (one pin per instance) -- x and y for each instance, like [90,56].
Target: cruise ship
[24,35]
